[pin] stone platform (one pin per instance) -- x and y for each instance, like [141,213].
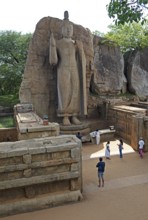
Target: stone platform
[39,173]
[30,125]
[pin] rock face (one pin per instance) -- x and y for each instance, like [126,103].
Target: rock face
[137,73]
[109,75]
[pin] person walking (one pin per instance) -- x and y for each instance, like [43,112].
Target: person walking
[97,137]
[107,150]
[101,168]
[120,145]
[141,146]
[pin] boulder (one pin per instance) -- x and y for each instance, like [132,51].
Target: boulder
[108,77]
[137,73]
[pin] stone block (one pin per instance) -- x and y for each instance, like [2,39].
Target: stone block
[29,192]
[27,173]
[75,153]
[27,159]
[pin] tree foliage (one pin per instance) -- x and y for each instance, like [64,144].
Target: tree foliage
[98,33]
[123,11]
[13,53]
[129,36]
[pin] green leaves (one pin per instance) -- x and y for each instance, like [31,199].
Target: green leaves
[124,11]
[129,36]
[13,54]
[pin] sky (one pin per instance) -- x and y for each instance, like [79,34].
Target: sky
[23,15]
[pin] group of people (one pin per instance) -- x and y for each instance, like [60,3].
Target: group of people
[101,164]
[107,149]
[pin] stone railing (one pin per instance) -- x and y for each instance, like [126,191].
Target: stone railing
[39,173]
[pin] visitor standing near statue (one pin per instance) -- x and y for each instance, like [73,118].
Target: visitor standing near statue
[97,137]
[141,147]
[101,168]
[120,146]
[107,150]
[78,135]
[69,58]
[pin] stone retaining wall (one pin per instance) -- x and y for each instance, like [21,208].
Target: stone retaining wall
[8,134]
[130,124]
[39,173]
[122,122]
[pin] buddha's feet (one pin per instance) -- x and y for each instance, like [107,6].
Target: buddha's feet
[75,121]
[66,121]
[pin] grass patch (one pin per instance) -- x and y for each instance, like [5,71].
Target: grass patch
[6,122]
[9,100]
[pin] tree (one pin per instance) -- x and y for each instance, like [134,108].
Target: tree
[123,11]
[129,36]
[13,54]
[98,33]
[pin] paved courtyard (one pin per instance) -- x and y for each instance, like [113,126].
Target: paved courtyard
[124,196]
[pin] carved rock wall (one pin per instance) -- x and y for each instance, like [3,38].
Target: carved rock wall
[39,83]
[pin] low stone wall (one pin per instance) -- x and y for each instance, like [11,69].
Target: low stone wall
[39,173]
[130,123]
[105,135]
[8,134]
[122,121]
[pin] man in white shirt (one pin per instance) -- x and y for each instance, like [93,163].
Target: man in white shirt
[97,137]
[93,137]
[141,146]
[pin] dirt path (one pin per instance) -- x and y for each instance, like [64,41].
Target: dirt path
[124,196]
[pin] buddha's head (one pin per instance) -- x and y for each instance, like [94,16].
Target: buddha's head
[67,27]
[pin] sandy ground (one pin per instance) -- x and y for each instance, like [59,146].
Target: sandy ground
[124,196]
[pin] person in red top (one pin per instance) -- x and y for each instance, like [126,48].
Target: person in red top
[141,146]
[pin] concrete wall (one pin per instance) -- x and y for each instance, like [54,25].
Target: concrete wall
[39,173]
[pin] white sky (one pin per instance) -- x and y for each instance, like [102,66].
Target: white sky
[23,15]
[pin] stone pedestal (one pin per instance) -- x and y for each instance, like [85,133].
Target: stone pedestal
[83,128]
